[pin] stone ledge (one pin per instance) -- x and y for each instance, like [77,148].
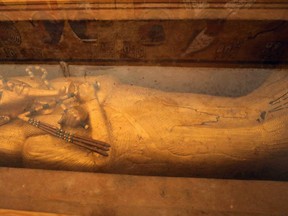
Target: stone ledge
[105,194]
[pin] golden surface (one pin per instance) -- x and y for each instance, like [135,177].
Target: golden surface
[9,212]
[162,133]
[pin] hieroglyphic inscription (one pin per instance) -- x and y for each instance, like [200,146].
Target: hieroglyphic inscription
[10,52]
[32,52]
[228,50]
[107,48]
[132,50]
[10,39]
[152,35]
[273,50]
[9,34]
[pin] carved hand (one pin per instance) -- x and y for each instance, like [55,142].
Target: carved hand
[74,117]
[87,91]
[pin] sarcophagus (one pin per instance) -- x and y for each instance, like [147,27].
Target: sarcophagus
[117,87]
[156,88]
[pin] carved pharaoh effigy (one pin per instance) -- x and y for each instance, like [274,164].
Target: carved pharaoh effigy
[136,129]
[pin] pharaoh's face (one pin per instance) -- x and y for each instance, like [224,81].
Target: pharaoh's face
[12,101]
[12,85]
